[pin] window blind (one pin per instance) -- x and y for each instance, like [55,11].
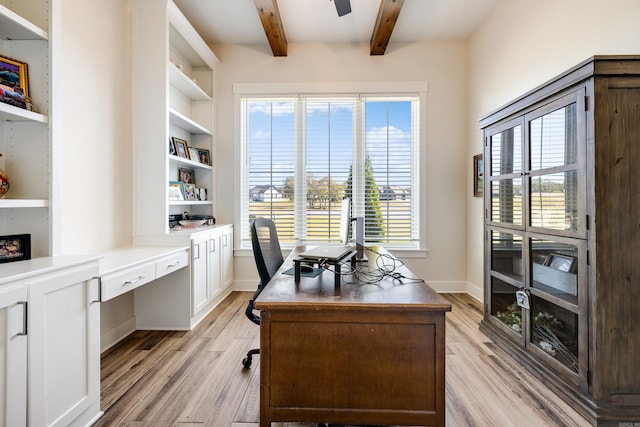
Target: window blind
[303,154]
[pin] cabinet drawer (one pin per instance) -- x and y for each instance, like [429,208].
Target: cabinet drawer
[171,263]
[126,280]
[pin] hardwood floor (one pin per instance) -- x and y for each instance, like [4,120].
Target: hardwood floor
[155,378]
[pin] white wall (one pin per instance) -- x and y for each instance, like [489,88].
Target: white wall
[95,115]
[522,45]
[441,64]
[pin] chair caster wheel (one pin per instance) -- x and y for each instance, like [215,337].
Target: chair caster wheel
[246,362]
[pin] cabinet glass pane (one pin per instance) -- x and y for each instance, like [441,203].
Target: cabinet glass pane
[506,151]
[506,201]
[503,304]
[553,139]
[555,331]
[554,201]
[554,268]
[506,254]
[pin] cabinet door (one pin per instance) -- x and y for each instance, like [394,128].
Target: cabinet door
[215,254]
[13,357]
[200,294]
[555,175]
[227,257]
[64,347]
[504,169]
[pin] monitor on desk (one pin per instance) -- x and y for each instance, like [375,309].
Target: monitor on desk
[346,229]
[345,221]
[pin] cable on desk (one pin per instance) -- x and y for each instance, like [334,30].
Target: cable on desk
[386,266]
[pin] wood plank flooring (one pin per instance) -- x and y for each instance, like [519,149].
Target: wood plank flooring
[156,378]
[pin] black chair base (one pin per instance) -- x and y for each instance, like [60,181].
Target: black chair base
[246,362]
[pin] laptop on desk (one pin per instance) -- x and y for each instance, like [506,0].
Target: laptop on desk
[327,252]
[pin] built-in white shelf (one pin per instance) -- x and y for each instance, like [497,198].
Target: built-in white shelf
[23,203]
[189,202]
[187,162]
[188,87]
[15,27]
[183,122]
[10,113]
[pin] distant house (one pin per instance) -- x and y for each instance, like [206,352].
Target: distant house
[392,192]
[265,193]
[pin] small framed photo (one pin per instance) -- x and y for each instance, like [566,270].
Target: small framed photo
[478,172]
[172,147]
[16,247]
[561,262]
[181,147]
[204,156]
[186,176]
[193,154]
[190,192]
[176,191]
[14,82]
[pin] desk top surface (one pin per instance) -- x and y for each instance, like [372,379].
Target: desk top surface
[364,289]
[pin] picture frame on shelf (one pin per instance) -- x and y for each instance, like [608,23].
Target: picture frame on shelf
[193,154]
[201,193]
[14,82]
[182,148]
[15,247]
[204,156]
[190,192]
[186,176]
[561,262]
[172,147]
[478,172]
[176,191]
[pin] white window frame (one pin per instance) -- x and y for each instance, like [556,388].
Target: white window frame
[369,89]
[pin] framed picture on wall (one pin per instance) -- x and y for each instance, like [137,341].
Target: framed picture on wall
[478,172]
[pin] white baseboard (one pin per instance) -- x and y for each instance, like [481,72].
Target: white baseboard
[115,334]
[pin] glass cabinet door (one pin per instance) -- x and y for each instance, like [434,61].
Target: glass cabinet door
[506,278]
[554,161]
[505,170]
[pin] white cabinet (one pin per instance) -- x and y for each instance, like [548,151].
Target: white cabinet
[183,299]
[64,347]
[13,356]
[173,97]
[227,257]
[51,375]
[212,254]
[25,135]
[200,289]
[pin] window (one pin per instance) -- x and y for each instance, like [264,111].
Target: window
[303,153]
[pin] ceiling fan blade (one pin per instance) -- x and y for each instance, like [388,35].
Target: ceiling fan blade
[343,7]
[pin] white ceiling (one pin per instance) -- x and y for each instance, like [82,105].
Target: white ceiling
[304,21]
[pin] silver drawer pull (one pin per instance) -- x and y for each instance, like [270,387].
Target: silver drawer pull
[24,319]
[173,265]
[131,282]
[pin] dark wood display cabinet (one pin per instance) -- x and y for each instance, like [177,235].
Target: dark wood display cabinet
[562,235]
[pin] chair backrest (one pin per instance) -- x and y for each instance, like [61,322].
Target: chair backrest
[266,248]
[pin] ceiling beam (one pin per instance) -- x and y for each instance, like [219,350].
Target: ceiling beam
[385,22]
[270,18]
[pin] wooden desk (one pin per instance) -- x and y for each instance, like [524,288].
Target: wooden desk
[354,354]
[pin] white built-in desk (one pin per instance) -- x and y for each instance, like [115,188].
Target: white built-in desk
[125,269]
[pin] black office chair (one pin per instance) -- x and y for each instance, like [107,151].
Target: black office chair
[268,257]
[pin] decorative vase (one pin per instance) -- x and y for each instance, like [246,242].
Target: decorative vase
[4,182]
